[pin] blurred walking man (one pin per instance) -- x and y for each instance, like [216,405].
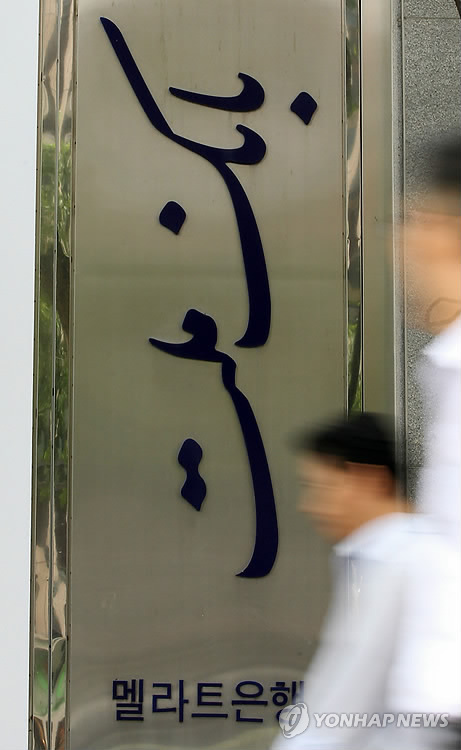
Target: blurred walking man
[427,669]
[349,488]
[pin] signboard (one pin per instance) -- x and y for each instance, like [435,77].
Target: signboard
[200,160]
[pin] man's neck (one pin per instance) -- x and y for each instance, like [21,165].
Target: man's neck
[386,508]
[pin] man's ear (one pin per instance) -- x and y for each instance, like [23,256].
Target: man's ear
[376,479]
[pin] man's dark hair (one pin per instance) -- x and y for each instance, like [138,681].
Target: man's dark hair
[363,438]
[445,158]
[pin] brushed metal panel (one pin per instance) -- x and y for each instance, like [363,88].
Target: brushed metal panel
[154,586]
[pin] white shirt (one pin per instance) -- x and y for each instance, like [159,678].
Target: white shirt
[426,674]
[439,491]
[349,673]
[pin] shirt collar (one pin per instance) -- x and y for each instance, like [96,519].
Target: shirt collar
[445,349]
[370,534]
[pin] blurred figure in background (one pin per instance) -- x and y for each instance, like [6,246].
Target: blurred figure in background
[427,670]
[433,271]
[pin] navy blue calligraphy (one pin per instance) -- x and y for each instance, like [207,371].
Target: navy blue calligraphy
[202,345]
[194,488]
[252,151]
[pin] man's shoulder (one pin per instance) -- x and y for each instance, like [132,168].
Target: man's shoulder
[426,556]
[444,350]
[391,537]
[409,546]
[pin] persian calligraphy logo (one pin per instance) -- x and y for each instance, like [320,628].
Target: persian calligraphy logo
[202,346]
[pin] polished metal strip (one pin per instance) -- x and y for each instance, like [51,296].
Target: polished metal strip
[59,555]
[54,388]
[353,204]
[377,207]
[51,379]
[44,380]
[400,294]
[33,718]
